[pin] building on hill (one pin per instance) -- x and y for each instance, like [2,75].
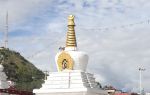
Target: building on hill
[1,48]
[3,79]
[7,87]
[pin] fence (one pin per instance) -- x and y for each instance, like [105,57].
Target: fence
[15,92]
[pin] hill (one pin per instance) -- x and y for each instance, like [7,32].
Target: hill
[19,70]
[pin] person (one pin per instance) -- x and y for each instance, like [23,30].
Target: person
[64,64]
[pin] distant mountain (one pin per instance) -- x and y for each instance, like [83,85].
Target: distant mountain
[19,70]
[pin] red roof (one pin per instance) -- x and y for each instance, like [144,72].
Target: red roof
[121,94]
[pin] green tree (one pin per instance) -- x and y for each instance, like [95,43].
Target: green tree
[19,70]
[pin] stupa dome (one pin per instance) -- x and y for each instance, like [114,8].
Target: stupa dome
[78,59]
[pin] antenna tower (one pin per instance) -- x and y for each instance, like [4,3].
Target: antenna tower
[6,32]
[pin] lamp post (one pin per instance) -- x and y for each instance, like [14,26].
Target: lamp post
[140,75]
[46,74]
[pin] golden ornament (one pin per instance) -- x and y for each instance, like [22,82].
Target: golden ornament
[65,61]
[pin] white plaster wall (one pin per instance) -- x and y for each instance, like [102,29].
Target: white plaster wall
[80,60]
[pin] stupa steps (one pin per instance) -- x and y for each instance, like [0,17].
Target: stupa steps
[68,81]
[71,78]
[69,86]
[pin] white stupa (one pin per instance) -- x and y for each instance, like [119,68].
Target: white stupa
[3,79]
[71,78]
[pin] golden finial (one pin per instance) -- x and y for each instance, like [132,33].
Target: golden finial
[71,37]
[71,20]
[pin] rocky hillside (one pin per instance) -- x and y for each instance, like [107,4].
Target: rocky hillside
[25,75]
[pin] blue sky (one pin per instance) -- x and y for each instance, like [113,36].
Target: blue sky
[114,33]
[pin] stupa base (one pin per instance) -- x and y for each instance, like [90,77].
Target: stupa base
[72,82]
[79,93]
[82,91]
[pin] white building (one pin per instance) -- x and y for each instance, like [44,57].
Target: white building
[147,93]
[71,78]
[3,80]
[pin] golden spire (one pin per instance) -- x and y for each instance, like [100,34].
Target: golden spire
[71,37]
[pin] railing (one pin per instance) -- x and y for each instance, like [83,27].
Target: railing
[15,92]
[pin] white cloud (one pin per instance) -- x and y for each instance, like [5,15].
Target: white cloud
[115,54]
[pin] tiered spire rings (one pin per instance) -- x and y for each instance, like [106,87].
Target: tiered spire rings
[71,37]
